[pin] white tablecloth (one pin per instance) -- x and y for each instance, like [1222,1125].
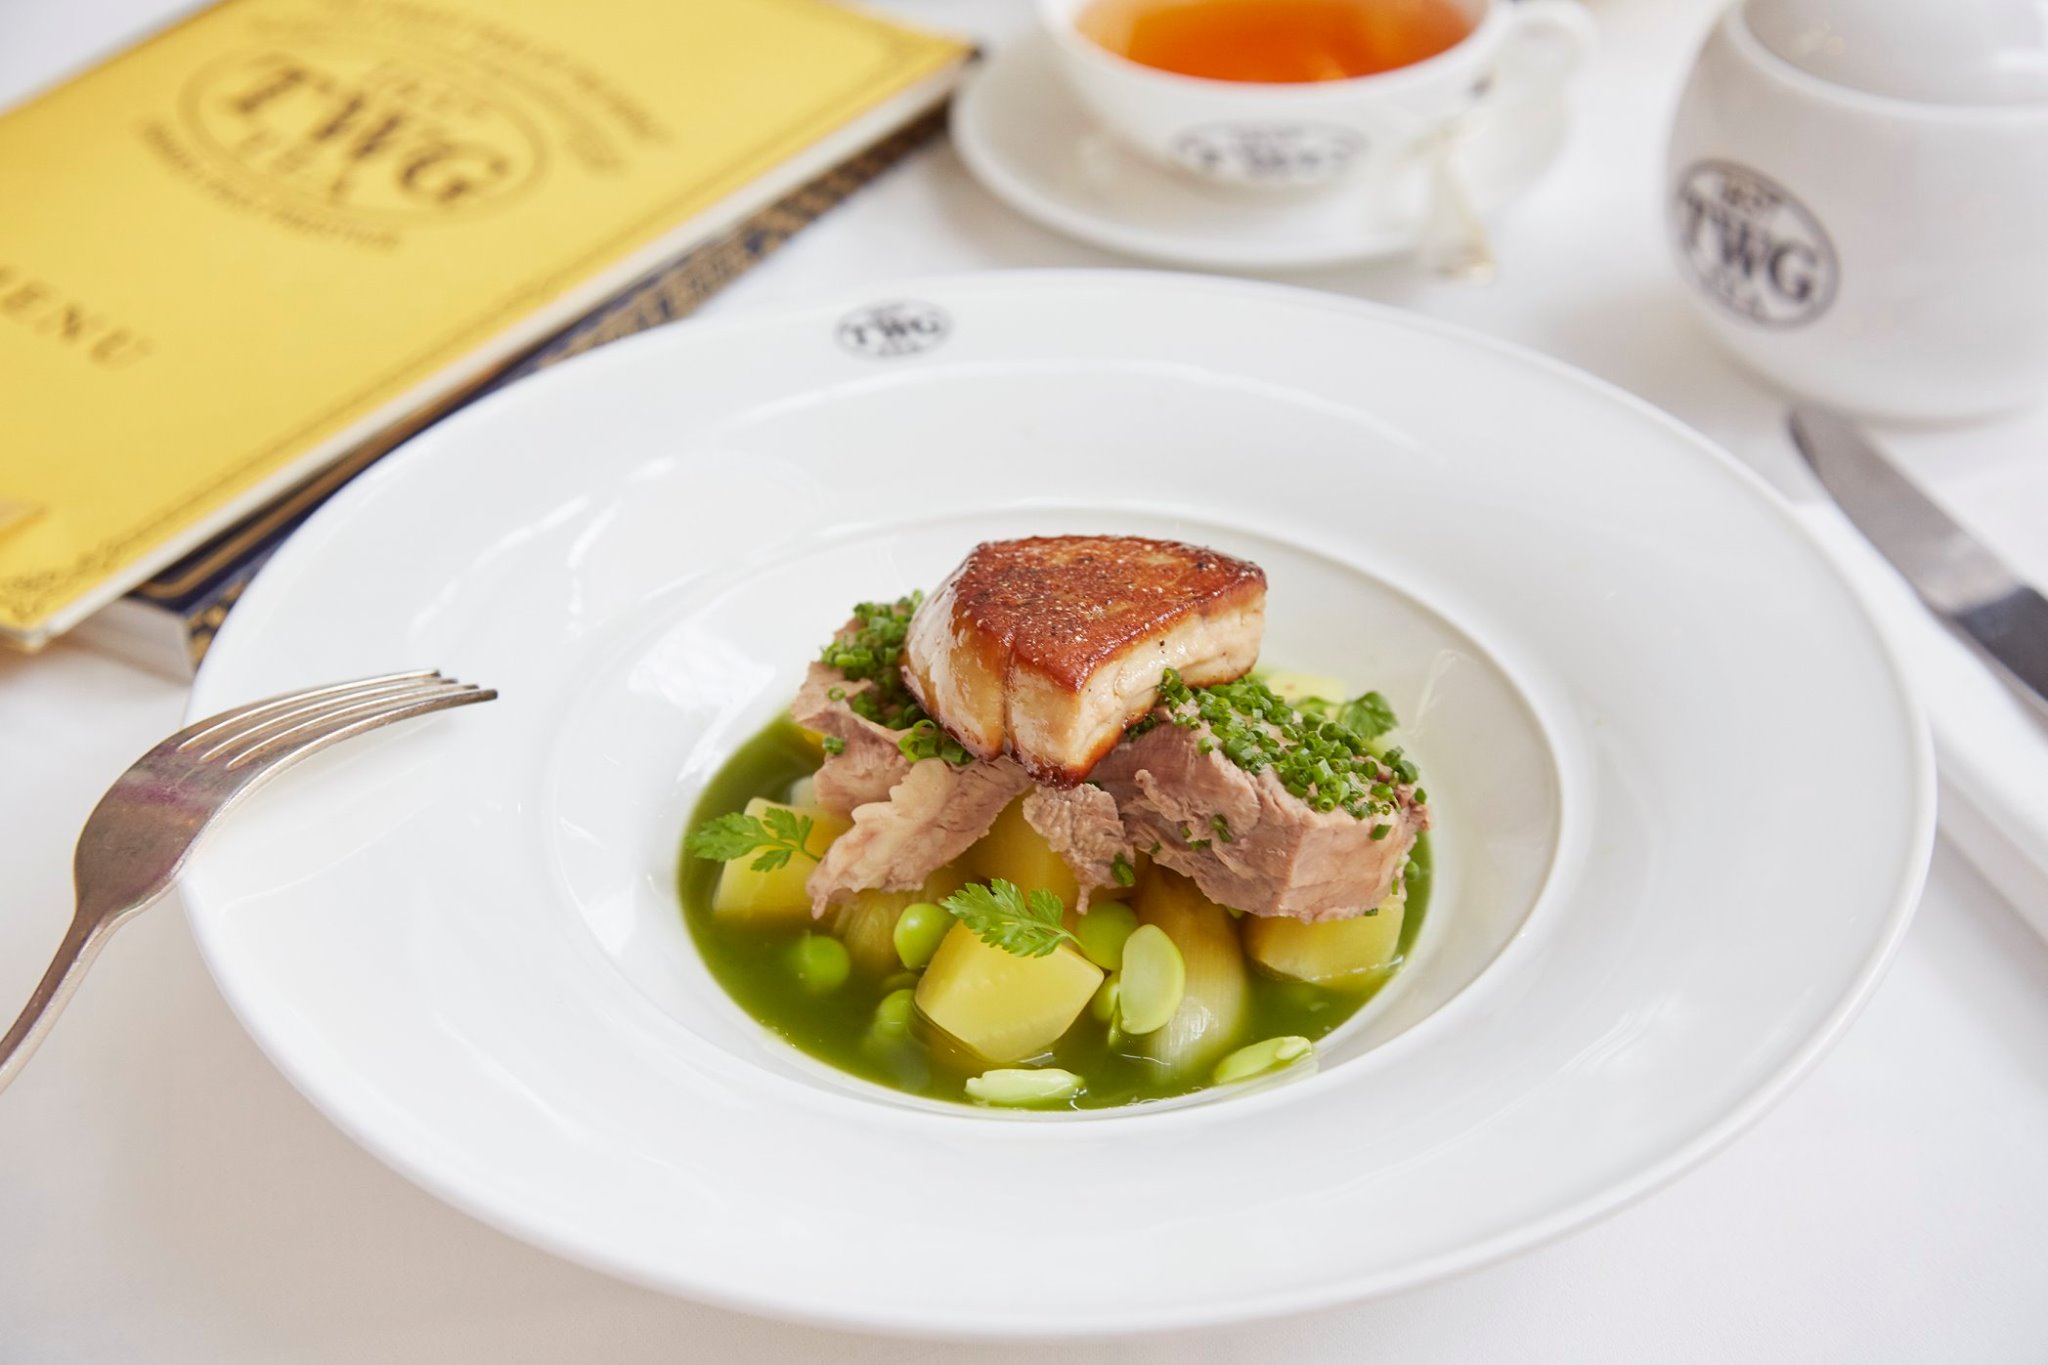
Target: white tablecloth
[166,1197]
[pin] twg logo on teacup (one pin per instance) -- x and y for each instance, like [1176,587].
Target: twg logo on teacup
[886,330]
[1268,153]
[1751,247]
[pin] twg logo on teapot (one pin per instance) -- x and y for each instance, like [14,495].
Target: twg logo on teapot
[1751,246]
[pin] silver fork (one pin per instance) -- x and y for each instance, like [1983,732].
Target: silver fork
[138,836]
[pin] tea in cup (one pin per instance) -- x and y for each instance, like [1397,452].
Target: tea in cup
[1286,94]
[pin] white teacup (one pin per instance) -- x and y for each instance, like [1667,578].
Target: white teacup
[1858,198]
[1289,136]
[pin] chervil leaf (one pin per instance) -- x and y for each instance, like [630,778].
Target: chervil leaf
[787,826]
[778,834]
[728,837]
[1004,917]
[1368,716]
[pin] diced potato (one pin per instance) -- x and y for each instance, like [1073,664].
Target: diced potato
[1217,994]
[1004,1007]
[867,923]
[1018,853]
[803,792]
[776,896]
[1292,686]
[1333,953]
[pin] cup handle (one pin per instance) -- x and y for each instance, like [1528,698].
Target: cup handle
[1546,41]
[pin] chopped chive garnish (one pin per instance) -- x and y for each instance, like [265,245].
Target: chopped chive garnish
[1323,761]
[871,650]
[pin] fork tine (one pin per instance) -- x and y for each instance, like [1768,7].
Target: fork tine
[257,710]
[276,722]
[281,750]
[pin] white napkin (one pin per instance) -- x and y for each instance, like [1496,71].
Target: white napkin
[1991,748]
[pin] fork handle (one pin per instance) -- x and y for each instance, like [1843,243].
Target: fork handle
[82,942]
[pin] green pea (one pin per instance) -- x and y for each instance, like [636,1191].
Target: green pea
[821,963]
[893,1014]
[1260,1058]
[918,931]
[1154,978]
[1016,1086]
[1103,932]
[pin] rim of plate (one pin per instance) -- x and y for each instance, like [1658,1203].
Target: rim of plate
[450,1185]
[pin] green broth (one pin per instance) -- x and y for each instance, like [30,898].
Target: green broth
[753,963]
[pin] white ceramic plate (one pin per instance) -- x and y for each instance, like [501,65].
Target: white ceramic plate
[1685,802]
[1026,138]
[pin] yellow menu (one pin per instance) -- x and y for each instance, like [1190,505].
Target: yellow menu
[265,234]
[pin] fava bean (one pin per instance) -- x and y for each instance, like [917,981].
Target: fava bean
[1102,1005]
[1153,980]
[918,931]
[1260,1058]
[1017,1086]
[821,962]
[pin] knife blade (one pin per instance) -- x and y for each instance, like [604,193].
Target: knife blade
[1960,581]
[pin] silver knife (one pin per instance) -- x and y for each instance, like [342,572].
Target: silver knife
[1960,581]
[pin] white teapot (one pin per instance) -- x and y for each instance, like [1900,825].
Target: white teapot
[1857,196]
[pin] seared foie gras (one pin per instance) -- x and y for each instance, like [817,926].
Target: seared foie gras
[1045,649]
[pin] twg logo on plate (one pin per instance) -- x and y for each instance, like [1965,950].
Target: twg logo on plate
[1751,247]
[887,330]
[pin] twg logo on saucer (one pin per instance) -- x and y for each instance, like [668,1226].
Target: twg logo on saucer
[1268,153]
[888,330]
[1751,247]
[363,131]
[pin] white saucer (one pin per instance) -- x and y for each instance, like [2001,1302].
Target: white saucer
[1026,138]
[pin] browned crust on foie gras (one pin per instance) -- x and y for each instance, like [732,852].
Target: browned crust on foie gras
[1047,648]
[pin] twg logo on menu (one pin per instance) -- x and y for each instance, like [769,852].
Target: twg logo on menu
[888,330]
[357,129]
[1751,246]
